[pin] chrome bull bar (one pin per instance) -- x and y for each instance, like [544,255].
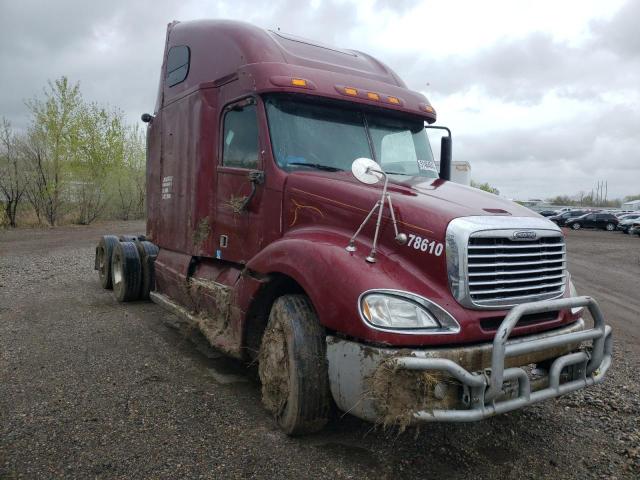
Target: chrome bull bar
[482,389]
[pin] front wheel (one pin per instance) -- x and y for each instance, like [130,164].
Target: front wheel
[610,227]
[293,367]
[576,226]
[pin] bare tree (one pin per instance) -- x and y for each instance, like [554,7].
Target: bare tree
[12,181]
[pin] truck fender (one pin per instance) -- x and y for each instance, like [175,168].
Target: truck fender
[319,263]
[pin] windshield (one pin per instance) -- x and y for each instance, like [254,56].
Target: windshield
[328,137]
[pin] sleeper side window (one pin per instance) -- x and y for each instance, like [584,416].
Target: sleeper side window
[178,60]
[240,138]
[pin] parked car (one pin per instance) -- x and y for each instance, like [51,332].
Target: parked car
[634,229]
[605,221]
[564,216]
[625,222]
[548,213]
[623,213]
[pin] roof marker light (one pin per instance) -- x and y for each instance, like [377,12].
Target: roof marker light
[299,82]
[351,91]
[373,96]
[394,100]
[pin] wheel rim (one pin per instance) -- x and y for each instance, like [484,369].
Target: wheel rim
[117,271]
[610,226]
[576,226]
[102,266]
[274,369]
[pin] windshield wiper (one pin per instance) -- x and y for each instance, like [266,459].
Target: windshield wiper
[317,166]
[401,173]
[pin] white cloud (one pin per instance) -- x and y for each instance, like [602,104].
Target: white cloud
[542,96]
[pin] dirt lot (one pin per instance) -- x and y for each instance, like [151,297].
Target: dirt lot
[91,388]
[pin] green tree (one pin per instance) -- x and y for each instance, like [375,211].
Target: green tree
[100,150]
[80,158]
[51,145]
[486,187]
[129,176]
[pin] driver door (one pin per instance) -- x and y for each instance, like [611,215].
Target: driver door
[590,220]
[239,192]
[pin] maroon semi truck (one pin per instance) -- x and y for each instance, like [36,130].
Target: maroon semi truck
[296,216]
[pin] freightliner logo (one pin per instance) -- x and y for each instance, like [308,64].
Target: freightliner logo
[525,235]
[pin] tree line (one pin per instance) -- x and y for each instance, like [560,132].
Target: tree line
[76,161]
[583,199]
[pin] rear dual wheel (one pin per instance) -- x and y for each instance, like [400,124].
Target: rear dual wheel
[148,253]
[126,271]
[104,252]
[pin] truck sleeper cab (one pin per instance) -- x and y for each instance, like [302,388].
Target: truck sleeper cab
[296,216]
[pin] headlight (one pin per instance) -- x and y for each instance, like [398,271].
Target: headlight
[397,310]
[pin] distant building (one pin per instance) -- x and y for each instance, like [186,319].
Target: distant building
[460,171]
[632,205]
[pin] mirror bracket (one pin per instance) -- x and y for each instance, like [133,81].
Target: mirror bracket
[369,172]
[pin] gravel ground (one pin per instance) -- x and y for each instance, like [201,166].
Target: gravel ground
[91,388]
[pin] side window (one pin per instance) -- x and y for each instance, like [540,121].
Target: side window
[177,64]
[591,217]
[240,138]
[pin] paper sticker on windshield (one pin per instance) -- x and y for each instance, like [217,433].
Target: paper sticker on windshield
[426,165]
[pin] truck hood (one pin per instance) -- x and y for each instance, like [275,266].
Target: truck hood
[326,209]
[338,200]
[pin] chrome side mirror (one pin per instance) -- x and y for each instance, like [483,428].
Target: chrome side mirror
[367,171]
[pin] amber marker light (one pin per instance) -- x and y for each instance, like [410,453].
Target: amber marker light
[351,91]
[365,310]
[298,82]
[373,96]
[394,100]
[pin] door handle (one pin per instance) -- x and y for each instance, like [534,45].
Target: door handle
[256,177]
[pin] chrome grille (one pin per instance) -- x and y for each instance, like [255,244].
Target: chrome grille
[504,271]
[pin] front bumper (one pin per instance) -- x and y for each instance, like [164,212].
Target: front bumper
[470,383]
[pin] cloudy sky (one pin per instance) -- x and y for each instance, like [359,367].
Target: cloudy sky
[542,96]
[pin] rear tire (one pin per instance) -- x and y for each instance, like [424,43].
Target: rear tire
[104,251]
[293,367]
[126,272]
[148,253]
[576,226]
[610,227]
[128,238]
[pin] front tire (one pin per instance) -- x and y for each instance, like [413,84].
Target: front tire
[610,227]
[576,226]
[293,367]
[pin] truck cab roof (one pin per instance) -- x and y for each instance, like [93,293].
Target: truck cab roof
[220,51]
